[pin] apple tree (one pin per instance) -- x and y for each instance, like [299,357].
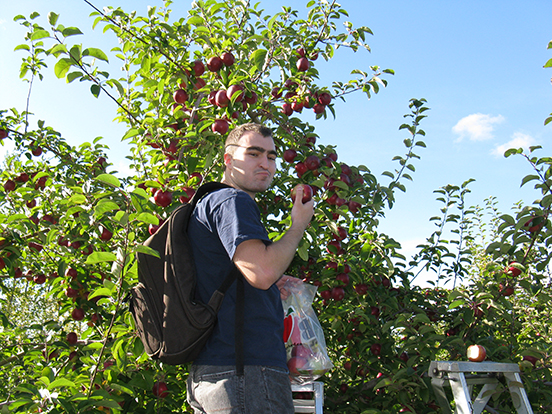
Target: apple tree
[71,225]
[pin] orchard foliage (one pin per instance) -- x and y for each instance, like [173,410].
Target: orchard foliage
[71,225]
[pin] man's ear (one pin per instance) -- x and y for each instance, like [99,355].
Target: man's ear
[227,159]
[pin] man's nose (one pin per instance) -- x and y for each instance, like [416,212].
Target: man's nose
[264,161]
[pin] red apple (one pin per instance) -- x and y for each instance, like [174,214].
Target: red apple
[354,206]
[160,389]
[312,162]
[301,52]
[404,356]
[343,278]
[39,279]
[307,193]
[361,288]
[318,108]
[297,106]
[287,109]
[235,92]
[72,338]
[220,125]
[375,349]
[180,96]
[71,293]
[214,64]
[295,364]
[36,151]
[189,193]
[301,351]
[506,290]
[512,270]
[221,99]
[289,155]
[198,67]
[211,97]
[228,58]
[476,353]
[338,293]
[533,360]
[303,64]
[87,250]
[152,228]
[324,98]
[35,246]
[106,235]
[22,178]
[276,92]
[199,83]
[375,311]
[77,314]
[250,97]
[162,198]
[3,133]
[9,185]
[534,224]
[341,234]
[334,247]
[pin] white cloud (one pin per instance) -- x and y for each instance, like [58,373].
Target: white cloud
[519,140]
[123,169]
[476,127]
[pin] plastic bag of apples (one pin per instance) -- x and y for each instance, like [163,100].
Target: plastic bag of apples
[307,356]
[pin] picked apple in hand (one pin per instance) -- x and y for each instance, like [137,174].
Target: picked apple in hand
[307,193]
[476,353]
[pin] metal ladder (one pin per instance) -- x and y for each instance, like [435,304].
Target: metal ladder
[313,405]
[461,378]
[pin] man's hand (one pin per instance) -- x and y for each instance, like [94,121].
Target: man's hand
[301,214]
[285,279]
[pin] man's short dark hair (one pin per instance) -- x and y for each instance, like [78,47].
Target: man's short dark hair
[235,135]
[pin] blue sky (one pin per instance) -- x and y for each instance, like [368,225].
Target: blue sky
[479,64]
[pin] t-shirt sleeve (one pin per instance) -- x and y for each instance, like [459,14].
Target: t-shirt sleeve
[238,219]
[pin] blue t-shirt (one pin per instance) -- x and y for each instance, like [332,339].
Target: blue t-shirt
[220,222]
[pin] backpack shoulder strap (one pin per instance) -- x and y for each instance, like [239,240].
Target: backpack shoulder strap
[206,189]
[234,274]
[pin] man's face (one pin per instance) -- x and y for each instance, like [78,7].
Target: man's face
[252,166]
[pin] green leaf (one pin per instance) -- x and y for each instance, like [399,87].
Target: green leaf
[148,218]
[103,291]
[104,206]
[258,58]
[146,65]
[73,75]
[109,180]
[528,178]
[95,52]
[61,382]
[40,34]
[147,250]
[52,18]
[548,64]
[131,133]
[95,90]
[58,50]
[100,257]
[78,199]
[456,303]
[23,46]
[62,67]
[71,31]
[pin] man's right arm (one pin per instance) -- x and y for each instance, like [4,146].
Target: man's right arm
[262,265]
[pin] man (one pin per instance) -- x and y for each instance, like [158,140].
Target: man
[225,227]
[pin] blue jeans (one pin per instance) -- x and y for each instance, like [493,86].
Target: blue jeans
[218,389]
